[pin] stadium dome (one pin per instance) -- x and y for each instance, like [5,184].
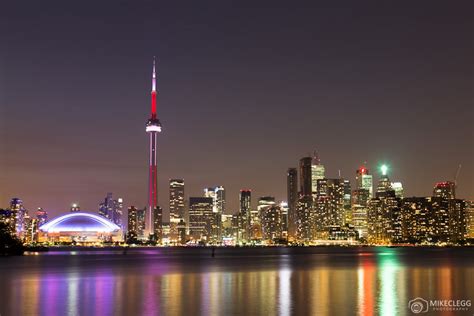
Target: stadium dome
[79,222]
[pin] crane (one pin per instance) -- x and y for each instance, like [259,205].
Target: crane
[456,176]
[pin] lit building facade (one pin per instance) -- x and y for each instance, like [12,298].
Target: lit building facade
[41,216]
[292,198]
[202,225]
[80,228]
[446,190]
[317,173]
[264,203]
[244,216]
[158,225]
[112,209]
[272,224]
[19,213]
[132,224]
[218,208]
[329,208]
[177,208]
[364,180]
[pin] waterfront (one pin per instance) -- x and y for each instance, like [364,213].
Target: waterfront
[245,281]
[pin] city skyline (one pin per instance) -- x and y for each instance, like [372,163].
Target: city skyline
[87,139]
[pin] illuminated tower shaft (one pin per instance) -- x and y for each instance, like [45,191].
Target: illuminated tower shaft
[153,127]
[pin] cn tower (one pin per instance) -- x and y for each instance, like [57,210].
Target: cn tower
[153,127]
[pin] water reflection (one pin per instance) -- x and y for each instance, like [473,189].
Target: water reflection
[364,282]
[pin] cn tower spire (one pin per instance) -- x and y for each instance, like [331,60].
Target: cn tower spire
[153,91]
[153,127]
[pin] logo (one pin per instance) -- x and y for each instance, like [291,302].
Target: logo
[418,305]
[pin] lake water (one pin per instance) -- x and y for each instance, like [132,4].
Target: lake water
[237,281]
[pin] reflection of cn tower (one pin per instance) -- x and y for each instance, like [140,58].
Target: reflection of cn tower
[153,127]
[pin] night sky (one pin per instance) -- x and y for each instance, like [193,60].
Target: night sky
[245,92]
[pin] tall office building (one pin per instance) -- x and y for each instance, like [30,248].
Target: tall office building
[264,203]
[158,225]
[384,215]
[19,213]
[360,202]
[153,127]
[8,217]
[218,196]
[418,222]
[112,209]
[292,198]
[245,228]
[364,180]
[317,173]
[347,202]
[284,220]
[384,188]
[268,216]
[218,208]
[470,219]
[305,229]
[177,208]
[141,224]
[329,207]
[272,219]
[398,188]
[132,224]
[384,220]
[41,216]
[202,225]
[305,209]
[445,190]
[306,188]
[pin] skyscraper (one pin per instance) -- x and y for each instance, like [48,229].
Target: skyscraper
[445,189]
[398,188]
[267,213]
[244,214]
[329,208]
[364,180]
[384,215]
[305,210]
[112,209]
[177,208]
[157,224]
[317,172]
[41,216]
[306,188]
[201,219]
[292,196]
[19,214]
[153,127]
[218,197]
[178,214]
[347,202]
[132,224]
[273,222]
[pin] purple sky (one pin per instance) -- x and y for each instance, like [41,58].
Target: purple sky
[245,92]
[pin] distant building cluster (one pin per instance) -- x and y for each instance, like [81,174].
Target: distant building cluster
[318,210]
